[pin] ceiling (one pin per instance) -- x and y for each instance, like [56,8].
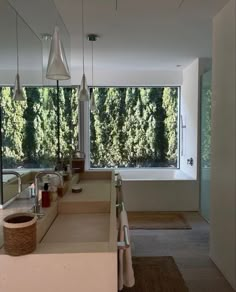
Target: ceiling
[139,36]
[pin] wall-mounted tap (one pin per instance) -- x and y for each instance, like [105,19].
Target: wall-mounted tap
[18,178]
[36,208]
[190,161]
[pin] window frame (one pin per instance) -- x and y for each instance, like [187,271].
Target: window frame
[84,129]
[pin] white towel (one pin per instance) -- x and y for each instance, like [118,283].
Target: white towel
[125,271]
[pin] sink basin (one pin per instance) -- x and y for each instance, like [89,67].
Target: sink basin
[94,198]
[77,228]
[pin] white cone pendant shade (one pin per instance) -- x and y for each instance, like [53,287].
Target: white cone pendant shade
[92,103]
[57,68]
[83,91]
[19,94]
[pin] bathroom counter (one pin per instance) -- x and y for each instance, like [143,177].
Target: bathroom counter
[96,197]
[92,190]
[24,204]
[77,247]
[76,218]
[84,219]
[19,206]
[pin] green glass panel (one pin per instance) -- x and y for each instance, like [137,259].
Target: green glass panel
[206,94]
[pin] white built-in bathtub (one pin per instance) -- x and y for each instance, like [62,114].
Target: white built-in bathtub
[157,174]
[159,190]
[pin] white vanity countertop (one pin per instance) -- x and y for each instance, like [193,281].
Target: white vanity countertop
[17,206]
[76,222]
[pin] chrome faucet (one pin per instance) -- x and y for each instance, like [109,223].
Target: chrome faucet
[36,207]
[18,178]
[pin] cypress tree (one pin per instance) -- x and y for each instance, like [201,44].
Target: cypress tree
[170,104]
[30,144]
[71,119]
[129,127]
[160,143]
[12,128]
[101,129]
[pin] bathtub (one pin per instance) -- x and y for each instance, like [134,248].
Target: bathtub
[159,190]
[150,174]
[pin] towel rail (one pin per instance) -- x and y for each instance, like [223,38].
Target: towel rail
[124,244]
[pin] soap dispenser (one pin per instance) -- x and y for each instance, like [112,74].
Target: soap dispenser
[45,196]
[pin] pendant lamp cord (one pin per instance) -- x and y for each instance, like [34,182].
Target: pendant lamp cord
[58,124]
[181,3]
[92,65]
[17,46]
[83,31]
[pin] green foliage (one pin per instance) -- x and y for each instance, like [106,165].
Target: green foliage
[206,95]
[134,127]
[131,127]
[170,104]
[29,127]
[12,127]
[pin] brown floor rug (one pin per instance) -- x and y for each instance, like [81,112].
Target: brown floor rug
[157,220]
[156,274]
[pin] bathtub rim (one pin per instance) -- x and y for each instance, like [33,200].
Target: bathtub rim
[185,177]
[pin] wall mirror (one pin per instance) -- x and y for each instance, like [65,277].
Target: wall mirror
[26,139]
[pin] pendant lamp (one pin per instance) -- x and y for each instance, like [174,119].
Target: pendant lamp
[83,91]
[57,69]
[19,94]
[92,38]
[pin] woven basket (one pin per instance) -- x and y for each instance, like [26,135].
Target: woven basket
[19,232]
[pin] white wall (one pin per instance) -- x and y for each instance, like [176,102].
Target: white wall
[223,189]
[101,77]
[160,195]
[189,111]
[132,77]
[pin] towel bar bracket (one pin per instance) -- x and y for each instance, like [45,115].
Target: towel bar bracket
[118,181]
[121,206]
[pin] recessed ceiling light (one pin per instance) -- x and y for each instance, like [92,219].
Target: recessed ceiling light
[92,37]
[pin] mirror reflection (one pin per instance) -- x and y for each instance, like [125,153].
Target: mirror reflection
[28,126]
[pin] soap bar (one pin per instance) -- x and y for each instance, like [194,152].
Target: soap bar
[76,189]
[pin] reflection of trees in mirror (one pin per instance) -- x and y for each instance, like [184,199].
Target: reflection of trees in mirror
[29,127]
[206,125]
[134,127]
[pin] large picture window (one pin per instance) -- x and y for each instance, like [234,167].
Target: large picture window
[130,127]
[134,127]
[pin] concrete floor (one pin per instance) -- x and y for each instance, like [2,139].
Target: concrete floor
[190,249]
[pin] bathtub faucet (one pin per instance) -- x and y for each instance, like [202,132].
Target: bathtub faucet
[36,208]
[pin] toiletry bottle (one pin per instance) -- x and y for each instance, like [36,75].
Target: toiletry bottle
[45,196]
